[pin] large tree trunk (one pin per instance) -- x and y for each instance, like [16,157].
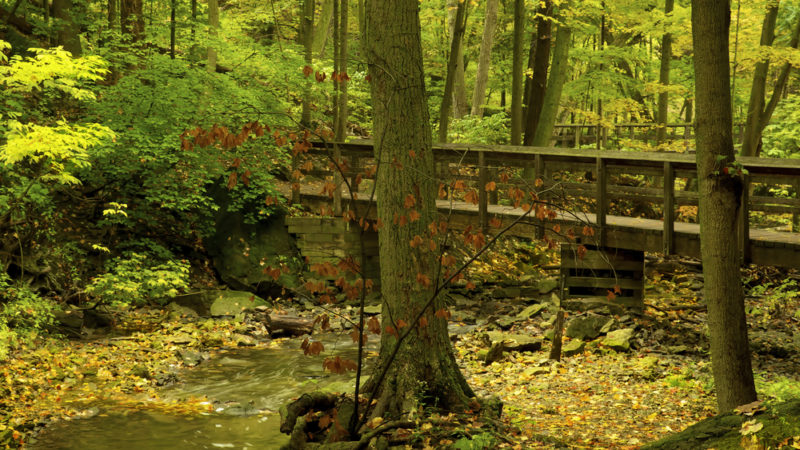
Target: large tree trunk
[452,65]
[516,73]
[720,195]
[555,84]
[424,366]
[131,19]
[535,90]
[663,79]
[68,33]
[485,58]
[755,108]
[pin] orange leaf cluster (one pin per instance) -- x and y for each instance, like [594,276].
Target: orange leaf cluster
[339,365]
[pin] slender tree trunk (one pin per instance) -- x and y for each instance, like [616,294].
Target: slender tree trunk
[541,60]
[720,195]
[755,108]
[555,84]
[663,79]
[485,58]
[424,366]
[751,145]
[213,26]
[516,73]
[307,39]
[460,107]
[172,26]
[323,29]
[342,55]
[131,19]
[113,21]
[452,62]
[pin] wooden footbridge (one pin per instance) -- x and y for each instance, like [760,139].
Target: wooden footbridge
[593,182]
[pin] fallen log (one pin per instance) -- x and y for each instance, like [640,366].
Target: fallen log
[282,325]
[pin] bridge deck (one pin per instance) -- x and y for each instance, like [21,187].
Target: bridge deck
[767,247]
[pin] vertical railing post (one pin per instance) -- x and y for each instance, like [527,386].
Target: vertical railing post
[295,181]
[355,167]
[577,136]
[632,132]
[602,200]
[669,209]
[539,229]
[744,221]
[483,198]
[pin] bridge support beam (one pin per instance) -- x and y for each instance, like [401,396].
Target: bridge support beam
[602,200]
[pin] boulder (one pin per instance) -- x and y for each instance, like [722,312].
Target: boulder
[241,249]
[586,327]
[619,340]
[573,347]
[547,285]
[231,303]
[532,311]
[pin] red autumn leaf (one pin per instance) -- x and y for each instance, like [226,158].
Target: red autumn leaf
[491,186]
[471,197]
[504,177]
[416,242]
[470,285]
[538,182]
[611,295]
[556,228]
[231,180]
[320,77]
[307,70]
[423,322]
[401,324]
[325,421]
[459,185]
[588,231]
[413,215]
[617,289]
[443,314]
[390,330]
[423,280]
[409,202]
[581,251]
[373,325]
[442,191]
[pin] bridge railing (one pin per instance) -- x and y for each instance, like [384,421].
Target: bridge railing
[476,163]
[575,135]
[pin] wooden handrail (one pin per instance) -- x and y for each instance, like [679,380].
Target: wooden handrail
[668,165]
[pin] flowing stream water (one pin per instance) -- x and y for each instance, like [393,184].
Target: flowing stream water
[246,386]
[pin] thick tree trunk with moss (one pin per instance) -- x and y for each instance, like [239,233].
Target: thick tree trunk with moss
[663,79]
[68,32]
[460,106]
[424,368]
[720,195]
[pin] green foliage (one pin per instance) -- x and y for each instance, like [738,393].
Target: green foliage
[487,130]
[23,314]
[782,136]
[136,279]
[478,442]
[779,387]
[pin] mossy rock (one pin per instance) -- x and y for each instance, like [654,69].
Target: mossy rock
[231,303]
[780,421]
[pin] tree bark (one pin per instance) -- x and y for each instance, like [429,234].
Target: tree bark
[460,107]
[131,19]
[485,58]
[755,108]
[452,63]
[720,195]
[535,91]
[516,73]
[555,84]
[424,368]
[68,33]
[213,26]
[323,29]
[663,79]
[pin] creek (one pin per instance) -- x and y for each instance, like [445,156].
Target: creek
[246,388]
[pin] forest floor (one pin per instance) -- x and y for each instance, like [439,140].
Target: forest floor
[596,398]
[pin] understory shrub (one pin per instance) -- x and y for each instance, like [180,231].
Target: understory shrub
[136,279]
[23,314]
